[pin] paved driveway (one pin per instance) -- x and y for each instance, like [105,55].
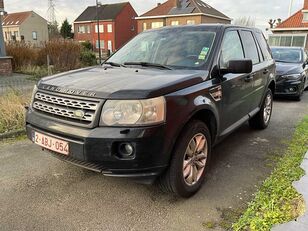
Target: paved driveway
[38,192]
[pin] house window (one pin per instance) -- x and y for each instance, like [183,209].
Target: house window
[16,34]
[144,26]
[191,22]
[174,23]
[84,29]
[109,28]
[34,35]
[110,45]
[287,40]
[305,17]
[157,25]
[101,29]
[102,44]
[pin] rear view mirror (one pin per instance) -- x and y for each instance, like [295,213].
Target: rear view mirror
[241,66]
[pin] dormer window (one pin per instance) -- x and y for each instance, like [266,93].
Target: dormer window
[305,16]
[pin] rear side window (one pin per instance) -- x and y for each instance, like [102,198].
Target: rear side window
[250,47]
[231,48]
[264,47]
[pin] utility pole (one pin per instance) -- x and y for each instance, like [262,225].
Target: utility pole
[98,5]
[51,12]
[2,45]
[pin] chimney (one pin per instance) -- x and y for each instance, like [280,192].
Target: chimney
[177,3]
[158,4]
[305,4]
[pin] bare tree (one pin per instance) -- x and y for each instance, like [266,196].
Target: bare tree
[245,21]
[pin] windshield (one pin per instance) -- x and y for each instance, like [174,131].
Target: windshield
[174,48]
[287,55]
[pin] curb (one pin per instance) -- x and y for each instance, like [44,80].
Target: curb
[12,134]
[301,223]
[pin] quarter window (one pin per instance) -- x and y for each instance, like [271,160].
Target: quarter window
[264,47]
[250,47]
[231,48]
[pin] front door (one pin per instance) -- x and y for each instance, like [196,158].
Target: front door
[236,88]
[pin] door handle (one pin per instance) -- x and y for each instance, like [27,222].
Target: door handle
[266,71]
[249,78]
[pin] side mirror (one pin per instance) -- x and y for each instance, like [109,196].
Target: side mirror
[240,66]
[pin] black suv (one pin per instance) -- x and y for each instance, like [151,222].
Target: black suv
[155,109]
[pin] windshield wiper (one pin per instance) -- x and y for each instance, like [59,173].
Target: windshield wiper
[146,64]
[114,64]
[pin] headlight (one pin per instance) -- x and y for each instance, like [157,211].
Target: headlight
[133,112]
[292,76]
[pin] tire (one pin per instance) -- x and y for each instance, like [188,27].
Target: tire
[173,180]
[262,120]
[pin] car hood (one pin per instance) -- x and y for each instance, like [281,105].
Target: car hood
[288,68]
[122,83]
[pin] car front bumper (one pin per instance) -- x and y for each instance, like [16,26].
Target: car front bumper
[288,87]
[97,148]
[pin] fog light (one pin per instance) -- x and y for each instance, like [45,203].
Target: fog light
[292,89]
[126,149]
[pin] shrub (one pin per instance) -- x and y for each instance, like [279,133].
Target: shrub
[23,53]
[36,71]
[12,112]
[87,45]
[88,58]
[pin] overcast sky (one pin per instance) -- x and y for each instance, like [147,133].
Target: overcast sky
[260,10]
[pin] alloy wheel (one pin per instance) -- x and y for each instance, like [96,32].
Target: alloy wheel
[195,159]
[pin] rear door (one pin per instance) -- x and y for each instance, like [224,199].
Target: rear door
[235,87]
[266,67]
[257,80]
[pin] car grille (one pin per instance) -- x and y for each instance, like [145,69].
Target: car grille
[75,110]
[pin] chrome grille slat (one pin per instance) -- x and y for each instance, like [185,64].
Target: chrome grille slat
[80,104]
[65,107]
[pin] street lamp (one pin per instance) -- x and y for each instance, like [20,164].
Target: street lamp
[98,4]
[2,45]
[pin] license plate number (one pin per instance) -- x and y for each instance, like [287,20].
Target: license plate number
[51,143]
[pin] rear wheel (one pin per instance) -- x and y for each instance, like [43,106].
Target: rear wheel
[189,162]
[262,118]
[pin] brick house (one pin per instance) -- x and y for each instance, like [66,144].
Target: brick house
[117,25]
[293,31]
[180,12]
[25,26]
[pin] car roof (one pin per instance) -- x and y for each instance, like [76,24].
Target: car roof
[211,26]
[284,47]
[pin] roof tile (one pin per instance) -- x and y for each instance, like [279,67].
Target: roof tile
[16,19]
[295,21]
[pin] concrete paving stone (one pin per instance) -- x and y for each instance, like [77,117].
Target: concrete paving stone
[306,156]
[291,226]
[301,185]
[303,219]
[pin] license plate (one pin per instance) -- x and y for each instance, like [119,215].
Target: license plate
[51,143]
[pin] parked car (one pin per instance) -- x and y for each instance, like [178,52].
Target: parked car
[154,110]
[292,71]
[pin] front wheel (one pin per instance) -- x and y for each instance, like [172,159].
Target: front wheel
[189,162]
[262,119]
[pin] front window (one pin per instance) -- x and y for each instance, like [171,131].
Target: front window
[285,55]
[34,35]
[109,28]
[101,29]
[174,23]
[157,25]
[287,40]
[175,48]
[191,22]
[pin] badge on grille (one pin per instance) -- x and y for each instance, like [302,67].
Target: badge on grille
[79,114]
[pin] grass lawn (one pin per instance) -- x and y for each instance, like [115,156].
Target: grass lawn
[277,201]
[12,111]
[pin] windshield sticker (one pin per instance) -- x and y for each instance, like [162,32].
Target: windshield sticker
[204,53]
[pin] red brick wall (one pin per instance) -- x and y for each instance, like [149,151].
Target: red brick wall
[6,66]
[124,24]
